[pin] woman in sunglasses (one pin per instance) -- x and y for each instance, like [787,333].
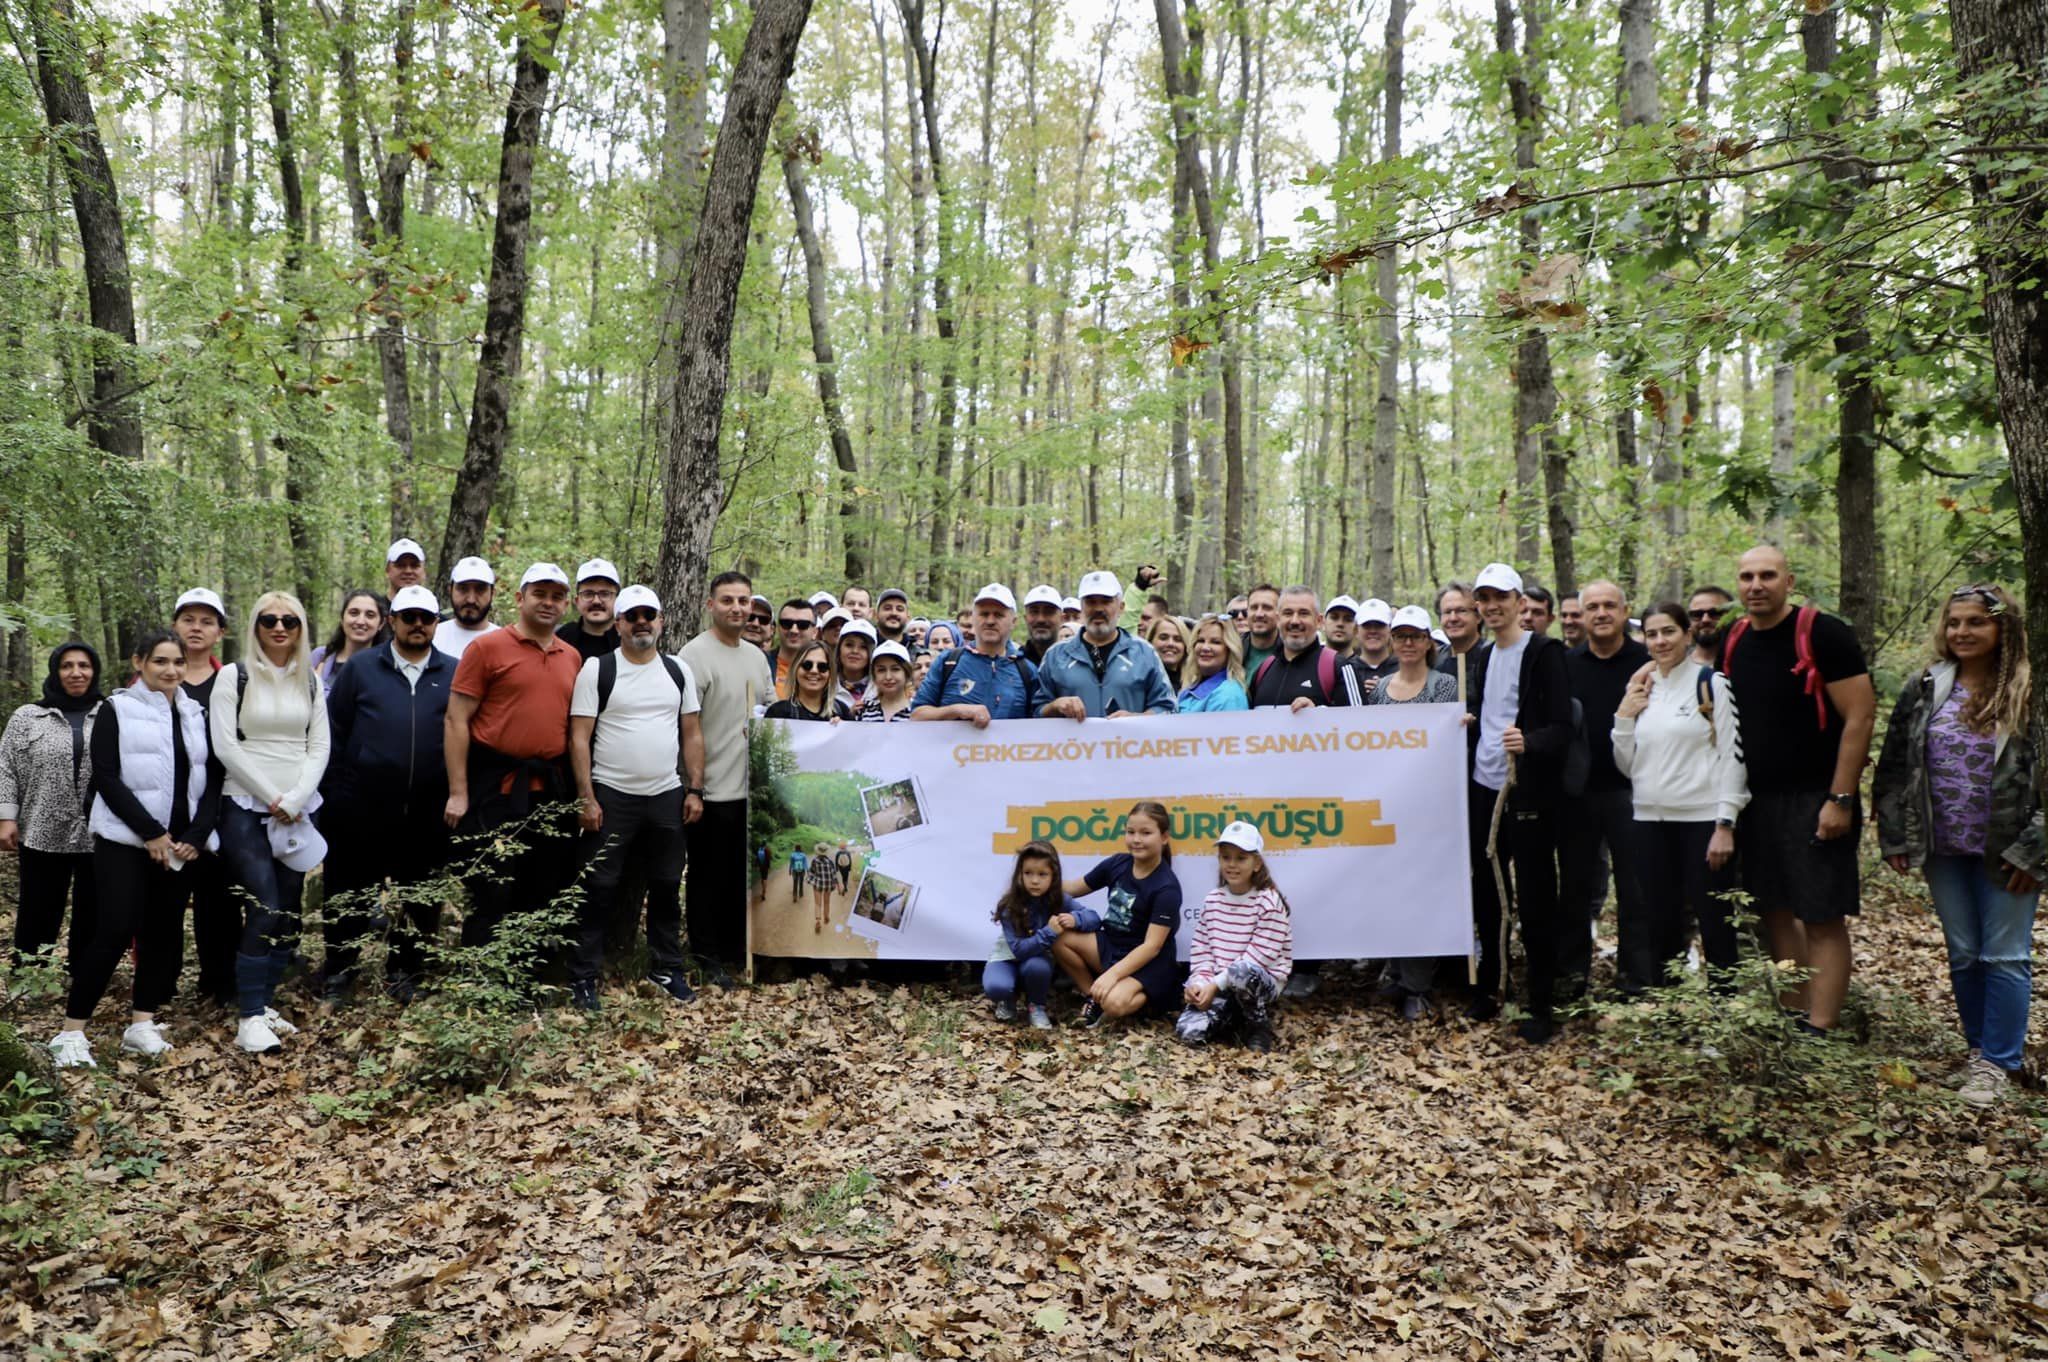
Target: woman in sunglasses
[1956,795]
[811,692]
[269,729]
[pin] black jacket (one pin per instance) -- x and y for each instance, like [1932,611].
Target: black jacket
[1543,713]
[386,738]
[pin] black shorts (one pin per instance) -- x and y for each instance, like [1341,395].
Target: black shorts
[1160,977]
[1785,871]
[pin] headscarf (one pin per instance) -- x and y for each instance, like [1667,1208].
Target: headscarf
[53,689]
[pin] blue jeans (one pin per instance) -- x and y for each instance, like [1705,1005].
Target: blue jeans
[1000,979]
[269,900]
[1990,940]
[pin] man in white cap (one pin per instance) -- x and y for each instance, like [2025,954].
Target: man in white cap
[1519,695]
[505,745]
[823,601]
[985,681]
[1340,626]
[198,619]
[594,632]
[405,564]
[1070,611]
[1373,657]
[474,587]
[637,747]
[1041,622]
[383,795]
[1103,670]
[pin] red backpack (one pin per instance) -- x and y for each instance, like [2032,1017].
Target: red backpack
[1326,671]
[1803,666]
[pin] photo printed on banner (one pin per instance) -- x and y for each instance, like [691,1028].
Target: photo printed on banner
[882,906]
[897,806]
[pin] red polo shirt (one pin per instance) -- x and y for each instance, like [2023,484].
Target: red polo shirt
[522,689]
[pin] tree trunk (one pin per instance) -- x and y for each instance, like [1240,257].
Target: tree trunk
[2010,37]
[794,152]
[1386,414]
[926,54]
[1537,453]
[1855,393]
[695,490]
[1784,430]
[1638,98]
[490,410]
[289,440]
[685,52]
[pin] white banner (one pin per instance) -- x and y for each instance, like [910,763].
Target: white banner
[1363,812]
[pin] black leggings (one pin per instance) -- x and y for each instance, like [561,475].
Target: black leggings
[139,902]
[46,878]
[1677,882]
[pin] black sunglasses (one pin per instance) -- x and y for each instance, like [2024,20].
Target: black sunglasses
[414,616]
[794,626]
[760,619]
[288,623]
[1713,614]
[814,666]
[639,614]
[1240,614]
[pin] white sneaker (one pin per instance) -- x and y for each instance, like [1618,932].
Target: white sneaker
[253,1034]
[71,1050]
[1985,1085]
[145,1038]
[279,1025]
[1041,1020]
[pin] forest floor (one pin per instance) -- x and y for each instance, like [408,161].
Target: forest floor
[808,1171]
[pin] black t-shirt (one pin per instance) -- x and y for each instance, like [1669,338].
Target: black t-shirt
[203,692]
[1134,904]
[589,645]
[1386,666]
[1784,746]
[1285,680]
[1598,685]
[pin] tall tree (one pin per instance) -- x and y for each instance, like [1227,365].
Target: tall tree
[290,440]
[685,54]
[695,486]
[798,148]
[925,53]
[1639,109]
[1387,275]
[490,410]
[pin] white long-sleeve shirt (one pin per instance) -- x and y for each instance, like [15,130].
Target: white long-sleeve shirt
[283,751]
[1682,767]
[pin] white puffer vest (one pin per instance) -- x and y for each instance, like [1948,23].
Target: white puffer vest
[144,718]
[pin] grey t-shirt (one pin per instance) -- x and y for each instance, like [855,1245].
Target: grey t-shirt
[731,681]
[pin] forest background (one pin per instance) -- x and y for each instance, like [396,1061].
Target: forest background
[1364,294]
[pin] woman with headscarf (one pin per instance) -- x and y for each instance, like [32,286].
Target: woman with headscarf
[44,772]
[268,722]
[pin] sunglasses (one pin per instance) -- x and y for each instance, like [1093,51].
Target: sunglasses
[1240,614]
[1982,595]
[794,626]
[760,619]
[639,614]
[814,666]
[288,623]
[1713,614]
[414,617]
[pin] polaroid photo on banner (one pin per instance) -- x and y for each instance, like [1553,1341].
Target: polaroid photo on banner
[893,807]
[881,906]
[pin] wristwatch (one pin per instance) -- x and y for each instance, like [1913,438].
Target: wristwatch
[696,790]
[1847,801]
[1728,823]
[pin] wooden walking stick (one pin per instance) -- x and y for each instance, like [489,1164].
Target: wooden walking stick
[1500,878]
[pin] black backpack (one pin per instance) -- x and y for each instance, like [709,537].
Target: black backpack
[608,680]
[242,693]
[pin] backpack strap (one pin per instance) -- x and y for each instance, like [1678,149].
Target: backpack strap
[1804,666]
[946,666]
[1703,698]
[675,674]
[607,679]
[1326,672]
[242,693]
[1259,674]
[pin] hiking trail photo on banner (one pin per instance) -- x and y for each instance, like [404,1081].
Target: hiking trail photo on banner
[918,824]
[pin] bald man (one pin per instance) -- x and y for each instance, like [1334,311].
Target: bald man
[1598,828]
[1807,709]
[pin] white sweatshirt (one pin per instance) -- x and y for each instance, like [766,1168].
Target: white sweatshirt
[1683,769]
[283,751]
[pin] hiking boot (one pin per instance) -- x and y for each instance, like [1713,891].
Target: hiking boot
[71,1050]
[583,995]
[1414,1008]
[1963,1070]
[253,1036]
[145,1038]
[1985,1085]
[1006,1011]
[1482,1009]
[1537,1030]
[1041,1020]
[675,985]
[334,989]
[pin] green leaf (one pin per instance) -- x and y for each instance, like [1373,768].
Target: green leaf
[1051,1319]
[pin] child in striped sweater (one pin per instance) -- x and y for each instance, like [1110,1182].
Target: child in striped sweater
[1243,949]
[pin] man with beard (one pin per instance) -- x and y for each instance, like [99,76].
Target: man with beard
[1262,638]
[595,630]
[1340,626]
[475,585]
[892,617]
[1041,623]
[796,620]
[1539,608]
[1708,611]
[1103,671]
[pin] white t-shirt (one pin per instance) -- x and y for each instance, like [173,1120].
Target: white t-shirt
[451,636]
[637,746]
[1497,709]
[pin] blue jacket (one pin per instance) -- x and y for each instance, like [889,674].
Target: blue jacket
[386,738]
[1008,685]
[1132,680]
[1039,940]
[1221,694]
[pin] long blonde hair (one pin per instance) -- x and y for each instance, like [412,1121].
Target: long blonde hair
[1233,649]
[1184,675]
[2004,706]
[277,602]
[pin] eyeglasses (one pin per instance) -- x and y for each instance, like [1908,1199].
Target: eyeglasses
[288,623]
[794,626]
[414,616]
[597,593]
[814,666]
[640,614]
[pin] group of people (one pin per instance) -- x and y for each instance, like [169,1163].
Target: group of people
[1669,757]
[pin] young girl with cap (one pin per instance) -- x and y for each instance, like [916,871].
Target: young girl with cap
[1023,957]
[1243,949]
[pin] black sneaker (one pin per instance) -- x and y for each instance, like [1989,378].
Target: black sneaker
[1414,1008]
[675,985]
[583,995]
[1091,1013]
[1537,1030]
[400,987]
[334,989]
[1483,1009]
[1259,1040]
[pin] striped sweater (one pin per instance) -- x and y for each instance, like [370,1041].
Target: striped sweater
[1255,927]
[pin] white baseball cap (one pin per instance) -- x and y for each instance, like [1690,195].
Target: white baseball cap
[1499,577]
[1043,595]
[474,570]
[890,649]
[401,547]
[415,598]
[859,628]
[1373,610]
[997,592]
[1243,836]
[824,599]
[830,616]
[1342,603]
[636,597]
[1100,583]
[544,572]
[199,595]
[1443,640]
[1412,617]
[1072,603]
[598,567]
